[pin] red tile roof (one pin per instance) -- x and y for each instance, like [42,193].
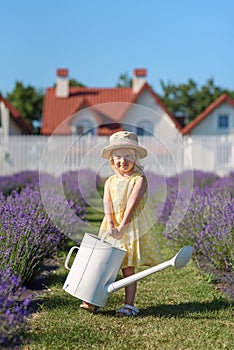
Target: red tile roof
[17,117]
[221,99]
[101,100]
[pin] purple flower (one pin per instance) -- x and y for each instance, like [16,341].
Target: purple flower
[14,308]
[208,224]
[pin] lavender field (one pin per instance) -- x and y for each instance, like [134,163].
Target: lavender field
[28,234]
[208,221]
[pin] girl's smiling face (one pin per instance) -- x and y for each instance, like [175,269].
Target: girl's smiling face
[124,160]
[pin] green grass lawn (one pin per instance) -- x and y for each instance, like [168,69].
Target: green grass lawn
[179,309]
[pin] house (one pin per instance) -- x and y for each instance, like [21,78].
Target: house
[210,136]
[11,121]
[216,119]
[103,111]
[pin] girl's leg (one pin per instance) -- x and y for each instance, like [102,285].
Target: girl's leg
[89,307]
[130,291]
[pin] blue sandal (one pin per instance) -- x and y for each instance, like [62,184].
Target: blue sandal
[127,310]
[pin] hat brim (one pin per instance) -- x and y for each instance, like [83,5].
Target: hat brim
[106,152]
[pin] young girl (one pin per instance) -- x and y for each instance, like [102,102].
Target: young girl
[127,217]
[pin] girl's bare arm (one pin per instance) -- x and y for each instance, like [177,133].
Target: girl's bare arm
[107,203]
[137,193]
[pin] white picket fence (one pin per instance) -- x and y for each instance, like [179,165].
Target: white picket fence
[59,154]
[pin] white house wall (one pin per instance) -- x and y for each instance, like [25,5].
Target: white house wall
[162,155]
[85,115]
[5,117]
[146,109]
[9,126]
[14,128]
[209,126]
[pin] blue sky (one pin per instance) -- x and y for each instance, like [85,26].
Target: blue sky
[98,40]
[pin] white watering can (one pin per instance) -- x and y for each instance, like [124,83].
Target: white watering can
[96,265]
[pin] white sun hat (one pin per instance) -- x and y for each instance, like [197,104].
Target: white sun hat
[123,139]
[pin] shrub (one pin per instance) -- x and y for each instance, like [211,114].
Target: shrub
[14,308]
[208,225]
[18,181]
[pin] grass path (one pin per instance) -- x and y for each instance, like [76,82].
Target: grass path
[179,310]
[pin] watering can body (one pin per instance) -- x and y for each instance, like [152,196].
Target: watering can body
[95,266]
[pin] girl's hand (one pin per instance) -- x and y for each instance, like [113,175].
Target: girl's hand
[116,233]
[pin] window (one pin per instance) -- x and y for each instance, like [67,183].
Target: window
[223,121]
[145,128]
[83,127]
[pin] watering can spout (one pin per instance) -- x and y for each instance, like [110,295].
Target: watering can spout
[178,261]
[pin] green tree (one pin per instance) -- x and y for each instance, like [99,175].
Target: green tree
[74,82]
[124,80]
[28,101]
[188,100]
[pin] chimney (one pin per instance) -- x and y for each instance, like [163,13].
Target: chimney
[62,83]
[5,120]
[139,79]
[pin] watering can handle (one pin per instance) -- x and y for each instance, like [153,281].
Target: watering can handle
[69,256]
[105,235]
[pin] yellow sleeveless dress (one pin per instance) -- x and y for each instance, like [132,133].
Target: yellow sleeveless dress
[140,238]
